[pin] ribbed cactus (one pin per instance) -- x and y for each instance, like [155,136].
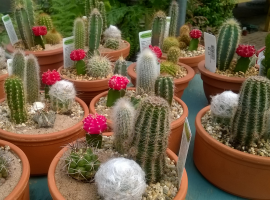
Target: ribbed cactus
[79,33]
[266,61]
[98,67]
[89,6]
[174,18]
[4,164]
[254,102]
[227,42]
[150,137]
[158,29]
[45,20]
[18,64]
[123,122]
[102,10]
[32,79]
[147,73]
[173,54]
[120,66]
[28,4]
[94,31]
[53,37]
[164,87]
[16,99]
[168,67]
[168,43]
[112,43]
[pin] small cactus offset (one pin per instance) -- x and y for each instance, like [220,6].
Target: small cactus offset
[53,37]
[18,64]
[168,43]
[112,32]
[112,43]
[98,67]
[158,29]
[150,136]
[174,18]
[31,79]
[227,42]
[45,20]
[167,67]
[79,33]
[120,66]
[266,60]
[164,88]
[102,10]
[16,99]
[173,54]
[4,164]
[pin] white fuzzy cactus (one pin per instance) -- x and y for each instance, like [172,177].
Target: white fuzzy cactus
[3,64]
[112,32]
[120,178]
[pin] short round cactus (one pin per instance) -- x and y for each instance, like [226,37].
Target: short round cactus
[111,43]
[173,54]
[53,37]
[184,38]
[184,29]
[182,45]
[168,43]
[112,32]
[98,67]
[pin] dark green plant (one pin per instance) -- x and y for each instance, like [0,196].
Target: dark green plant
[164,87]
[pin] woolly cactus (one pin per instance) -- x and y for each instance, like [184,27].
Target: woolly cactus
[174,18]
[117,85]
[31,79]
[266,60]
[94,31]
[3,63]
[16,99]
[98,67]
[112,32]
[223,106]
[195,34]
[53,37]
[111,43]
[228,40]
[120,66]
[49,78]
[150,136]
[18,64]
[173,54]
[79,33]
[45,20]
[4,164]
[123,121]
[164,87]
[245,52]
[168,43]
[62,95]
[45,119]
[78,56]
[146,70]
[158,29]
[168,67]
[254,102]
[120,178]
[102,10]
[185,39]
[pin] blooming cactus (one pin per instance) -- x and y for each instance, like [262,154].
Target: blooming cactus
[78,55]
[49,78]
[195,34]
[156,50]
[38,32]
[245,52]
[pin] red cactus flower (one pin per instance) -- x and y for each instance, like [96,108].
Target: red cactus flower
[39,30]
[245,50]
[50,77]
[95,124]
[118,82]
[195,33]
[77,55]
[156,50]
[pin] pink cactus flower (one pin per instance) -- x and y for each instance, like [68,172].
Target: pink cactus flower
[95,124]
[245,50]
[77,55]
[50,77]
[118,82]
[195,33]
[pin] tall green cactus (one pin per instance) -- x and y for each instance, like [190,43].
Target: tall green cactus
[254,102]
[174,18]
[94,31]
[45,20]
[102,10]
[228,40]
[89,6]
[28,4]
[79,33]
[15,99]
[266,60]
[31,79]
[164,88]
[158,29]
[120,66]
[150,137]
[18,64]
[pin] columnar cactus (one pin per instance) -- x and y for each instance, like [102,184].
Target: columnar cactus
[254,102]
[16,99]
[98,67]
[4,165]
[266,60]
[112,43]
[102,10]
[164,87]
[173,54]
[18,64]
[31,79]
[120,66]
[158,29]
[168,43]
[174,18]
[245,52]
[168,67]
[89,6]
[123,123]
[150,136]
[94,31]
[112,32]
[227,42]
[30,11]
[53,37]
[120,178]
[45,20]
[79,33]
[195,34]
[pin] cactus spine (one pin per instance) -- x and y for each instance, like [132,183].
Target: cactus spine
[98,67]
[120,66]
[18,64]
[173,54]
[168,43]
[158,29]
[228,40]
[150,136]
[79,33]
[45,20]
[266,61]
[31,79]
[164,87]
[15,99]
[102,10]
[174,18]
[53,37]
[112,43]
[94,31]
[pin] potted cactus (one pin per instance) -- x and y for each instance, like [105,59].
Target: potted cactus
[148,83]
[38,122]
[3,72]
[230,73]
[232,137]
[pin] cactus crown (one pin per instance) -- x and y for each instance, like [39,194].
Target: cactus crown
[158,29]
[120,66]
[4,164]
[50,77]
[79,33]
[99,67]
[112,32]
[118,82]
[95,124]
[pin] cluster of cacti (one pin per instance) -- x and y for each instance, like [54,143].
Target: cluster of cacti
[173,54]
[53,37]
[266,60]
[79,33]
[4,164]
[164,87]
[168,43]
[195,34]
[167,67]
[245,52]
[18,64]
[120,66]
[184,38]
[98,67]
[158,29]
[174,18]
[45,20]
[3,63]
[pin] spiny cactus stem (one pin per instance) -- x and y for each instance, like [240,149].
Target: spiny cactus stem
[47,89]
[242,64]
[80,67]
[94,140]
[113,96]
[193,46]
[39,40]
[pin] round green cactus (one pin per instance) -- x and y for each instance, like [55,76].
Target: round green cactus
[173,54]
[98,67]
[168,43]
[53,37]
[112,43]
[164,87]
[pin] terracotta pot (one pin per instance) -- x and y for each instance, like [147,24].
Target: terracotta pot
[180,84]
[55,193]
[233,171]
[190,61]
[87,90]
[114,55]
[2,81]
[41,149]
[176,126]
[21,190]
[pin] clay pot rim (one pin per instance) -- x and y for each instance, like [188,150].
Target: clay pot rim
[187,78]
[186,58]
[117,51]
[23,182]
[174,123]
[59,50]
[238,155]
[3,76]
[45,137]
[56,193]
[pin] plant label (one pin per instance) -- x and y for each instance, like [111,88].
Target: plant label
[10,29]
[182,156]
[210,52]
[9,66]
[168,20]
[68,47]
[145,39]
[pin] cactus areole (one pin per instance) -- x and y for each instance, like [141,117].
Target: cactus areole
[195,34]
[245,52]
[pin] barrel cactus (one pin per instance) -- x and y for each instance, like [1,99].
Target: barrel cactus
[112,43]
[173,54]
[53,37]
[98,67]
[164,87]
[158,29]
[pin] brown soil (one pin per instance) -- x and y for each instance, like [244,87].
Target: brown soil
[48,47]
[122,45]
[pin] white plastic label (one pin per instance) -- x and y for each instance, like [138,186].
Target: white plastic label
[260,59]
[145,39]
[10,29]
[182,156]
[167,28]
[210,52]
[9,66]
[68,47]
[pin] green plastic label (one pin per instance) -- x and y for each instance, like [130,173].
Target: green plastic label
[70,41]
[6,18]
[146,35]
